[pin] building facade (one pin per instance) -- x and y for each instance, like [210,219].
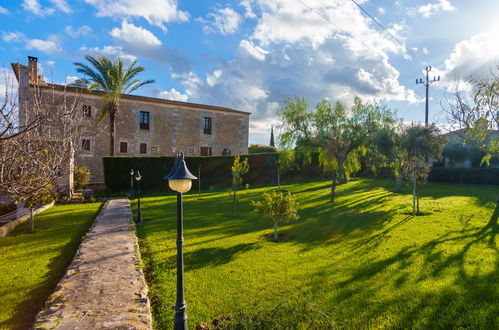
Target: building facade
[145,126]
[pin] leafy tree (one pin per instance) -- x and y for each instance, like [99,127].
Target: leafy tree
[418,143]
[239,168]
[81,176]
[390,152]
[114,79]
[279,206]
[285,160]
[41,197]
[260,148]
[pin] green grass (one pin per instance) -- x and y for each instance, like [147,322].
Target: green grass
[32,264]
[363,262]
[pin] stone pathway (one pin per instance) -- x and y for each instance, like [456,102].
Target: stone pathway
[104,286]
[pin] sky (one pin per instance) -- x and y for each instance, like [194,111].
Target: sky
[251,55]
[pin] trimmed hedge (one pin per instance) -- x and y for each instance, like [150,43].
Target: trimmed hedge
[465,175]
[215,171]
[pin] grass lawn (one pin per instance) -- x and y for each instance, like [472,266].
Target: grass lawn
[363,262]
[32,264]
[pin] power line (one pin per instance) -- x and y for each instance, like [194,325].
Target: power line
[326,19]
[383,27]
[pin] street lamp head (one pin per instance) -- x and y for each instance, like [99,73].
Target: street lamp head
[179,178]
[131,171]
[138,176]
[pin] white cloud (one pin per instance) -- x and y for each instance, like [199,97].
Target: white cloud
[3,10]
[156,12]
[46,46]
[13,36]
[135,35]
[110,51]
[278,60]
[35,8]
[174,95]
[381,10]
[225,21]
[83,30]
[248,10]
[431,9]
[473,57]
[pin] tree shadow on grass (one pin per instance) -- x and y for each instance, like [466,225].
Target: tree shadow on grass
[468,300]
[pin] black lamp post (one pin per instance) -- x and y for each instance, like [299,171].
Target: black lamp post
[139,212]
[180,180]
[131,183]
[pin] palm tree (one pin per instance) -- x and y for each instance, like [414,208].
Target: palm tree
[114,79]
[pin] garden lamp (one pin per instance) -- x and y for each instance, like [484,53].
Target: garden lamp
[180,180]
[138,177]
[131,183]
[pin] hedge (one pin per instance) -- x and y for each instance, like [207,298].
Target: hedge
[215,170]
[488,176]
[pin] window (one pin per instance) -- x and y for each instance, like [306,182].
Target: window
[143,148]
[144,120]
[207,125]
[205,151]
[85,145]
[87,111]
[226,152]
[123,147]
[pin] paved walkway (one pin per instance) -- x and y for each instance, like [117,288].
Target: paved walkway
[104,286]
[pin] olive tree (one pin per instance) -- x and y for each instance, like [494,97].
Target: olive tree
[280,207]
[284,162]
[239,168]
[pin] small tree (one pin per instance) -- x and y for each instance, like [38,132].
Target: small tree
[280,207]
[285,160]
[416,171]
[238,170]
[39,198]
[81,176]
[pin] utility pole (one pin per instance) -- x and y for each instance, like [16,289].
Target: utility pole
[427,84]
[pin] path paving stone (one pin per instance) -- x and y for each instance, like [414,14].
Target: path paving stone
[104,286]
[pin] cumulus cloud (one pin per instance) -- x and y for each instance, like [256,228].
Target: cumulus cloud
[109,51]
[222,20]
[45,46]
[473,57]
[173,95]
[135,35]
[142,43]
[13,36]
[277,61]
[248,10]
[34,7]
[431,9]
[83,30]
[156,12]
[3,10]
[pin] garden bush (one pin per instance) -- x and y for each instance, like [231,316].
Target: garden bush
[465,175]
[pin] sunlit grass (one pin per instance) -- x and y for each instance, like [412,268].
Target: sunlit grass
[32,264]
[362,262]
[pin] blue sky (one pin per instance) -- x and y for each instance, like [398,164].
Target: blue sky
[252,54]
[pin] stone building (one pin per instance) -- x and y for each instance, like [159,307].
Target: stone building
[145,126]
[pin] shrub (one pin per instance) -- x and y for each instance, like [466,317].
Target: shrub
[465,175]
[261,149]
[81,176]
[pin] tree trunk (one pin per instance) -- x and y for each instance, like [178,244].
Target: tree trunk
[333,189]
[199,179]
[31,221]
[234,201]
[276,238]
[112,126]
[417,204]
[278,180]
[342,178]
[414,197]
[399,180]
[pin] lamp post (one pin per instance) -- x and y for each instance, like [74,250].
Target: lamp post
[180,180]
[131,183]
[139,212]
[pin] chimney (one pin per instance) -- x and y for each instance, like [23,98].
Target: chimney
[33,69]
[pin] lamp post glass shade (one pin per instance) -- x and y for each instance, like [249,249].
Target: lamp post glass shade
[131,171]
[138,176]
[179,178]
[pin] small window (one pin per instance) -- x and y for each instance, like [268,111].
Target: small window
[87,111]
[144,120]
[207,125]
[143,148]
[85,144]
[123,147]
[205,151]
[226,152]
